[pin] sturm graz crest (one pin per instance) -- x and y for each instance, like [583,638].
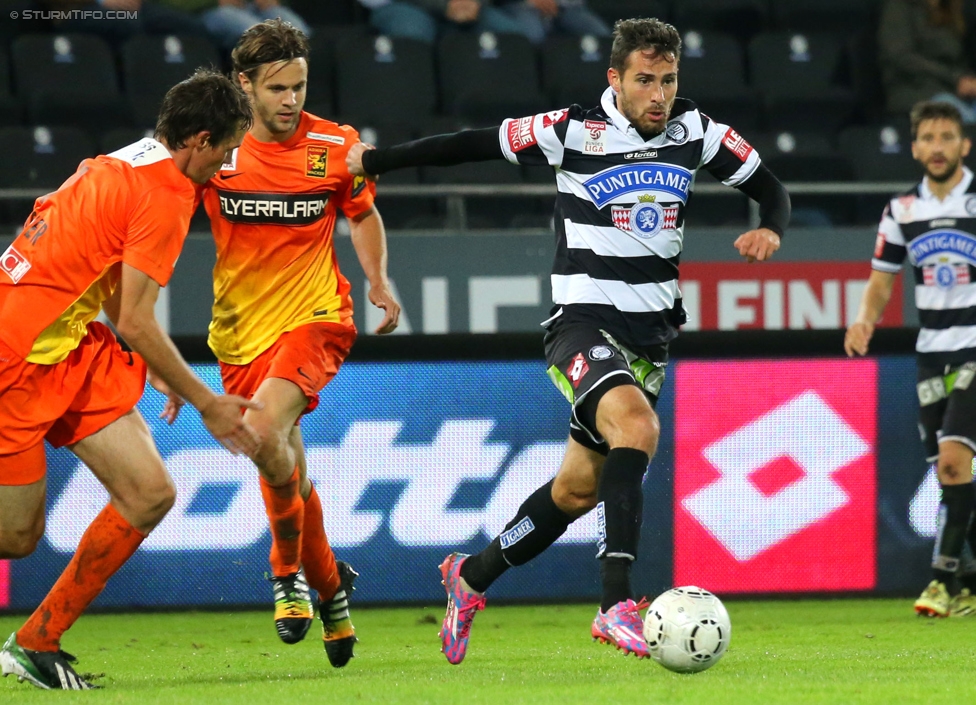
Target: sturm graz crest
[677,132]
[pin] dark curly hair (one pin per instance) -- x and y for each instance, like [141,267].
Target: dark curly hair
[207,101]
[643,35]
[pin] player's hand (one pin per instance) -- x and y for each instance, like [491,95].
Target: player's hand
[222,417]
[857,337]
[174,402]
[757,245]
[547,8]
[354,158]
[382,297]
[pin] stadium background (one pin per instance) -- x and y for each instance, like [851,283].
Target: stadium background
[782,467]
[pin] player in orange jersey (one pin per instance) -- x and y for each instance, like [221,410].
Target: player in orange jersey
[282,317]
[106,240]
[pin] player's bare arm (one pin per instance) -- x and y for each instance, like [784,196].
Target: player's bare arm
[873,303]
[137,324]
[369,240]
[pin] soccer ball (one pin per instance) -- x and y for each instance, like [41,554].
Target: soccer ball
[687,629]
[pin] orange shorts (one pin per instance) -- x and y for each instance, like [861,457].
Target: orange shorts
[309,356]
[62,403]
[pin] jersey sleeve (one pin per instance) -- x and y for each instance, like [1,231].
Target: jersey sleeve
[535,140]
[889,248]
[726,154]
[154,237]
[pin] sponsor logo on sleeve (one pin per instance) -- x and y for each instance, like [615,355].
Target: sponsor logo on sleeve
[358,184]
[334,139]
[520,133]
[879,244]
[14,264]
[316,161]
[737,144]
[554,117]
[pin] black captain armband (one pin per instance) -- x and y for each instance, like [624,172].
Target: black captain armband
[440,150]
[772,197]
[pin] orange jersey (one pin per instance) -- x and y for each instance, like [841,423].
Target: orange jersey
[132,206]
[273,212]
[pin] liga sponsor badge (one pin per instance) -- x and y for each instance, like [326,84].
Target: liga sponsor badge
[316,161]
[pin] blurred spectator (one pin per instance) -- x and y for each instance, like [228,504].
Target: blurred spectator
[226,20]
[424,19]
[539,17]
[922,55]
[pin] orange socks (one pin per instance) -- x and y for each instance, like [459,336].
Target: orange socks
[104,547]
[285,509]
[317,556]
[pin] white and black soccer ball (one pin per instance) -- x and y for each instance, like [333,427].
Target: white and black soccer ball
[687,629]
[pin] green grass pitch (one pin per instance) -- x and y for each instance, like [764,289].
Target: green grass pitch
[839,651]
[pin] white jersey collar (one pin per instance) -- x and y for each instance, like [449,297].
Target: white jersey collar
[958,190]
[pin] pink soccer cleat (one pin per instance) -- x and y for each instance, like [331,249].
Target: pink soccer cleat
[623,627]
[461,609]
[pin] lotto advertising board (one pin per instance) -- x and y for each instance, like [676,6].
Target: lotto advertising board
[788,475]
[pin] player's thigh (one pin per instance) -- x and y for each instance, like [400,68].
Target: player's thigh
[124,458]
[626,419]
[933,404]
[283,402]
[575,487]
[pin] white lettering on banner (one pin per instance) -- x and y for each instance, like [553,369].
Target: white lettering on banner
[487,294]
[923,510]
[807,311]
[730,314]
[368,453]
[773,304]
[745,520]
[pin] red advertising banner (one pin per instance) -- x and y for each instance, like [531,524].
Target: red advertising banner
[4,583]
[775,489]
[778,295]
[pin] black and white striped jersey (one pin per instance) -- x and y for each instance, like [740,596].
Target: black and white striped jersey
[938,239]
[620,207]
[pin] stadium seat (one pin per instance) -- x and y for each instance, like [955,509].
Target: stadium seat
[574,69]
[845,16]
[121,137]
[712,74]
[800,76]
[744,18]
[151,65]
[10,111]
[380,78]
[865,73]
[806,157]
[321,73]
[613,10]
[333,12]
[488,77]
[41,157]
[68,79]
[878,153]
[488,211]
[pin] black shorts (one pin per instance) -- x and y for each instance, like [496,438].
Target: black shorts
[947,406]
[585,362]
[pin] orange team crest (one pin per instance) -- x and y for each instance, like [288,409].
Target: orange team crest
[316,160]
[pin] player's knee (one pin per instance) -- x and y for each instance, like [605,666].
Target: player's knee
[273,456]
[154,501]
[638,428]
[955,465]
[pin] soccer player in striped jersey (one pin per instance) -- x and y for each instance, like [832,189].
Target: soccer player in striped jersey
[282,315]
[624,172]
[934,226]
